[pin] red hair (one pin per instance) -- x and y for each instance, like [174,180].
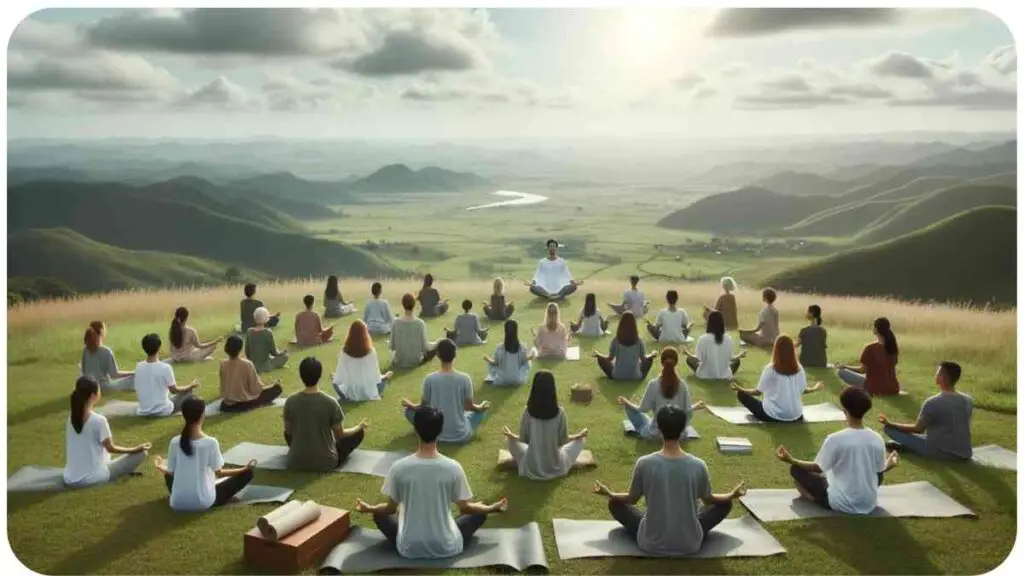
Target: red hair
[93,334]
[784,356]
[358,342]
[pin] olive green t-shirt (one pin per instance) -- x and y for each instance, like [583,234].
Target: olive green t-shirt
[310,419]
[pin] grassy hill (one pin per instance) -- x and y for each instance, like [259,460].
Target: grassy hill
[845,220]
[935,207]
[120,216]
[233,204]
[802,184]
[748,210]
[90,266]
[401,178]
[128,528]
[968,258]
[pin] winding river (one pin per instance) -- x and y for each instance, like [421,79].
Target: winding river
[517,199]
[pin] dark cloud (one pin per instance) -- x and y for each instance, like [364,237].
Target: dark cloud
[89,71]
[406,52]
[900,65]
[740,22]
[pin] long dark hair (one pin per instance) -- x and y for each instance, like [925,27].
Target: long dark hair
[192,410]
[333,292]
[85,388]
[511,343]
[543,401]
[590,305]
[815,311]
[669,376]
[93,335]
[716,326]
[177,326]
[884,329]
[626,333]
[428,281]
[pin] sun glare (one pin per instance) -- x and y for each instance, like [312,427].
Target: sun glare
[653,42]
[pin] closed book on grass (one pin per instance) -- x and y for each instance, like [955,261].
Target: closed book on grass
[728,445]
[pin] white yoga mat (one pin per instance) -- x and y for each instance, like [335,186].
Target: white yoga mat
[995,457]
[601,538]
[370,462]
[572,354]
[116,408]
[366,550]
[912,500]
[630,430]
[732,445]
[815,413]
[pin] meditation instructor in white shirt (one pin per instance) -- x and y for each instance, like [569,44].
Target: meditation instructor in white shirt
[552,280]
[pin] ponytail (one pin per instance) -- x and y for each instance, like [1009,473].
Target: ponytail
[884,329]
[192,411]
[177,330]
[669,376]
[815,311]
[85,388]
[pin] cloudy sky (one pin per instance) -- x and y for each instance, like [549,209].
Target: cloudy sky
[506,73]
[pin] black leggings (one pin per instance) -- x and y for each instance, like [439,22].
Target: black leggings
[756,407]
[607,366]
[468,525]
[266,398]
[344,446]
[815,485]
[630,516]
[226,487]
[693,363]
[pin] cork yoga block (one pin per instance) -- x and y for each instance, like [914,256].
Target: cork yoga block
[581,393]
[299,550]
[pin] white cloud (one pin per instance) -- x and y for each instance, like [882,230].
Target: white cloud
[219,93]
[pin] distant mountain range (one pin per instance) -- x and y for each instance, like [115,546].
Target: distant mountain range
[968,258]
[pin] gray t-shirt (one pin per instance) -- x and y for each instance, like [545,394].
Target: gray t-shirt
[545,438]
[246,309]
[627,360]
[671,487]
[813,346]
[509,368]
[769,319]
[449,393]
[654,400]
[378,316]
[429,299]
[99,366]
[425,489]
[408,342]
[947,421]
[633,301]
[467,327]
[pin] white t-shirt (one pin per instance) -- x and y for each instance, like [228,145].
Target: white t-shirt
[714,358]
[552,275]
[852,459]
[672,324]
[781,395]
[425,489]
[86,459]
[153,381]
[358,377]
[194,477]
[633,300]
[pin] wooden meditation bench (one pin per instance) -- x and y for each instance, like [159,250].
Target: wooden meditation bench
[299,550]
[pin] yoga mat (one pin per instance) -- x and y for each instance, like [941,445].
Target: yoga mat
[601,538]
[267,457]
[584,460]
[263,522]
[116,408]
[213,408]
[281,526]
[814,413]
[36,479]
[256,494]
[995,457]
[912,500]
[366,550]
[572,354]
[730,445]
[691,432]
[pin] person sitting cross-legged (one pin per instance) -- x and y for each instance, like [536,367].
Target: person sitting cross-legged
[89,443]
[498,309]
[712,358]
[767,329]
[408,340]
[552,280]
[416,518]
[357,377]
[627,359]
[431,303]
[155,383]
[248,307]
[632,300]
[98,363]
[451,392]
[672,324]
[309,328]
[668,389]
[240,386]
[589,322]
[726,304]
[317,441]
[945,421]
[378,315]
[671,481]
[467,330]
[334,303]
[185,343]
[782,384]
[510,365]
[543,449]
[846,473]
[260,345]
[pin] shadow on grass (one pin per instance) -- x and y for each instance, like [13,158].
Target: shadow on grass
[958,476]
[857,542]
[37,411]
[20,501]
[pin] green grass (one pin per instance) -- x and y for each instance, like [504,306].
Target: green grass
[128,527]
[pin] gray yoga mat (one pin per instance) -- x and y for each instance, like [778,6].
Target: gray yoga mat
[366,550]
[36,479]
[116,408]
[912,500]
[600,538]
[815,413]
[256,494]
[995,457]
[629,429]
[371,462]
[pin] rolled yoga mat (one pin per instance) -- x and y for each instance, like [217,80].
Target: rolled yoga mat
[263,522]
[278,526]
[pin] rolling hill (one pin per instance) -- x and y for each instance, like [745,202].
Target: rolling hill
[937,206]
[88,266]
[969,258]
[122,217]
[747,210]
[845,220]
[401,178]
[801,184]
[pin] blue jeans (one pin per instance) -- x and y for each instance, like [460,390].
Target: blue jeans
[641,422]
[912,443]
[475,418]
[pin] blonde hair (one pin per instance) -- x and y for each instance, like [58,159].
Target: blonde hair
[261,315]
[499,286]
[728,284]
[553,316]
